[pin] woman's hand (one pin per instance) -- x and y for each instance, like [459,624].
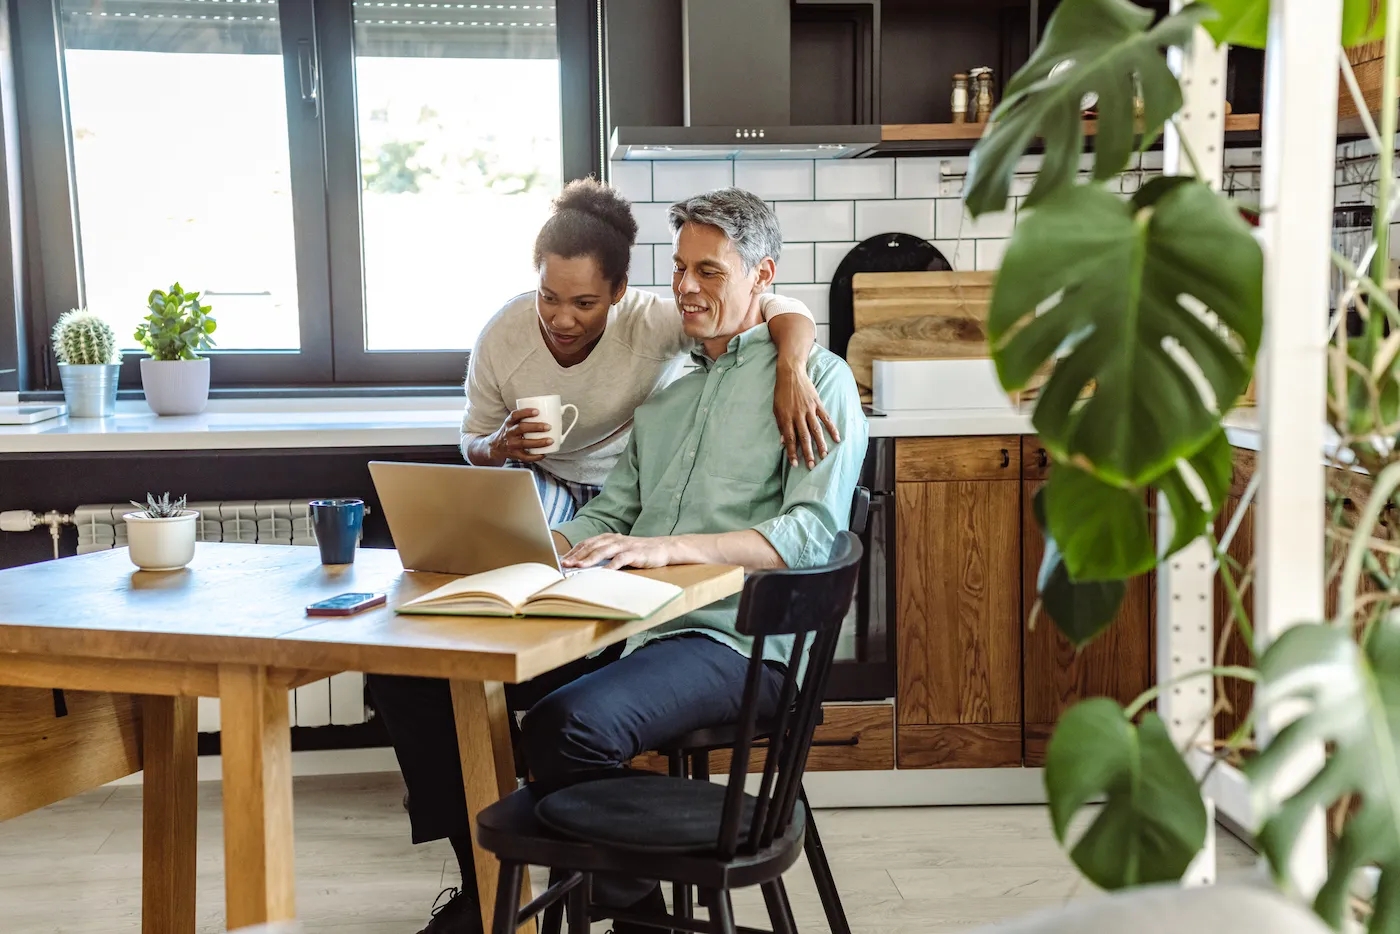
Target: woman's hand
[800,415]
[619,551]
[509,442]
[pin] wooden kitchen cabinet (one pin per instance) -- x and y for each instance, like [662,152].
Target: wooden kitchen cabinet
[958,509]
[1117,664]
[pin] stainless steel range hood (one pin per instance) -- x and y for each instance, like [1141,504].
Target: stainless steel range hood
[738,93]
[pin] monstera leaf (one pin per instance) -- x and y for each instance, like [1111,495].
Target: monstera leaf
[1352,704]
[1103,531]
[1154,302]
[1079,610]
[1115,55]
[1246,22]
[1153,821]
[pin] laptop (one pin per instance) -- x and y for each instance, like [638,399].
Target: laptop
[462,519]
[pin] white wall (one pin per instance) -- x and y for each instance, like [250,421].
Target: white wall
[827,207]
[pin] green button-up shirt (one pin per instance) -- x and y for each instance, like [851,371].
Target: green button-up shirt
[705,456]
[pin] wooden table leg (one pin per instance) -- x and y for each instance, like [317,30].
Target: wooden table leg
[488,772]
[256,745]
[170,754]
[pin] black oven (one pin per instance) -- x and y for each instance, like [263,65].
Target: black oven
[865,655]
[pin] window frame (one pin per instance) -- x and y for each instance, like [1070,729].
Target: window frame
[323,142]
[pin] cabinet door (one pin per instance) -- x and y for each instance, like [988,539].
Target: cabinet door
[959,701]
[1117,664]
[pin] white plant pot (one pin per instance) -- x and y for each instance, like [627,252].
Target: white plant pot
[176,387]
[161,544]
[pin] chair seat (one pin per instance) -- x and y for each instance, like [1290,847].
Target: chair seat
[668,815]
[512,829]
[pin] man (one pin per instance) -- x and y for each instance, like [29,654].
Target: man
[704,479]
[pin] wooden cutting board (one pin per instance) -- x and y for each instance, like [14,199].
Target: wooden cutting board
[917,315]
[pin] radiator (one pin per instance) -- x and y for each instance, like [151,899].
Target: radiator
[338,700]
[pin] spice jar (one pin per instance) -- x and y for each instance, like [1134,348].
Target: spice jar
[959,98]
[982,94]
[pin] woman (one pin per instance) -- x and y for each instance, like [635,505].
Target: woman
[605,348]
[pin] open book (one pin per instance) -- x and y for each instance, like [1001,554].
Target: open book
[540,590]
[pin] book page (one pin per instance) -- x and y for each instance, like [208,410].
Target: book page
[616,593]
[511,585]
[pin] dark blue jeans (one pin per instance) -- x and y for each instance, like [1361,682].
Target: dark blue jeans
[587,718]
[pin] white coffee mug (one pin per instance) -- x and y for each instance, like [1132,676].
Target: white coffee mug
[551,409]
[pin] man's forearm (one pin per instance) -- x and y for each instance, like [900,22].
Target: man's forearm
[477,450]
[748,548]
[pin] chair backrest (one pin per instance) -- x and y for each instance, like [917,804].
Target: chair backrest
[860,511]
[808,604]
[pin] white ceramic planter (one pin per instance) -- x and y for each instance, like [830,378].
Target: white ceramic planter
[176,387]
[161,544]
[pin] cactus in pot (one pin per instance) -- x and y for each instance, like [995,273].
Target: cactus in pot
[81,338]
[176,377]
[89,363]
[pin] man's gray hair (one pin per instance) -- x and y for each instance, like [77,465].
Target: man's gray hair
[745,218]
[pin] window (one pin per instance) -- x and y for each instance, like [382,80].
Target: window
[354,185]
[182,166]
[459,157]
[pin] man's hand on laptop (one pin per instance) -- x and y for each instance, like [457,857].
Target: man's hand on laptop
[619,551]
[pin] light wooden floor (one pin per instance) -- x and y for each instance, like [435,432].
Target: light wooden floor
[75,867]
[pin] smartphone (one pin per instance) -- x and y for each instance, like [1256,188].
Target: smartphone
[346,604]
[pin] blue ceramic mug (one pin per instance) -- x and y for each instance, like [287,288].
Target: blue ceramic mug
[338,523]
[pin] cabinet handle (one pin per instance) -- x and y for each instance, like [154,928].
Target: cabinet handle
[1005,458]
[1042,458]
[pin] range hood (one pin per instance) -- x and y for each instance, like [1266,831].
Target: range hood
[738,93]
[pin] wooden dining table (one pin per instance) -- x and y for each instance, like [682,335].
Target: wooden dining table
[101,666]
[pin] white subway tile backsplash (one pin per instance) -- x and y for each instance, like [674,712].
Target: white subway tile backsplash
[633,179]
[664,263]
[916,178]
[775,179]
[1021,184]
[672,181]
[1130,182]
[816,220]
[1234,158]
[989,253]
[962,256]
[640,272]
[652,226]
[815,297]
[1346,194]
[855,178]
[953,222]
[1152,160]
[828,257]
[796,264]
[824,335]
[657,290]
[910,217]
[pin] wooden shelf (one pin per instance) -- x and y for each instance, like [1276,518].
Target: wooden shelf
[940,132]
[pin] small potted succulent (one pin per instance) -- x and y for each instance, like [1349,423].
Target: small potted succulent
[175,377]
[161,535]
[89,363]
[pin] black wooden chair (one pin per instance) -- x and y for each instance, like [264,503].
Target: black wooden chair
[688,756]
[710,837]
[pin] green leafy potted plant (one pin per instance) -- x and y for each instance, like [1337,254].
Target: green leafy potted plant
[1102,289]
[161,534]
[88,363]
[175,377]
